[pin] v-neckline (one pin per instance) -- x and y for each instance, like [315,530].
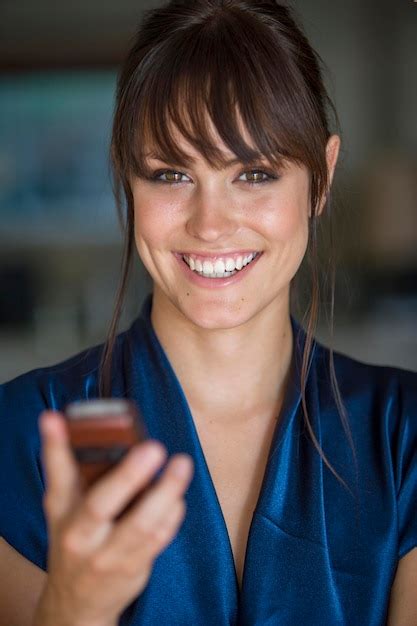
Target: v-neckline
[289,408]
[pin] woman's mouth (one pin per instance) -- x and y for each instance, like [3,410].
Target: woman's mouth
[220,268]
[218,272]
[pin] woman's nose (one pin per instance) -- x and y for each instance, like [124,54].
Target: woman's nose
[211,216]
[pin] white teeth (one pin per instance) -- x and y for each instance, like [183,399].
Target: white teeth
[207,267]
[220,268]
[230,265]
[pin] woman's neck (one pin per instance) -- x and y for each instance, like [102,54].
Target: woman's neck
[230,375]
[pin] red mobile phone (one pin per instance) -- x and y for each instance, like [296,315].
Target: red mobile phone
[101,432]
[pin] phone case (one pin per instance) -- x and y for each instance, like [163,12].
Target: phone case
[101,432]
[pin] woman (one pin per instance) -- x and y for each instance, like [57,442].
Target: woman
[289,496]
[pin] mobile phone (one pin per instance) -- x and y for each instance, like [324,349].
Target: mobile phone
[101,432]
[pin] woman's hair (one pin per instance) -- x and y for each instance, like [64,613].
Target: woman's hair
[234,60]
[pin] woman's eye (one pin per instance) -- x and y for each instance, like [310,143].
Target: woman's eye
[257,177]
[253,177]
[171,177]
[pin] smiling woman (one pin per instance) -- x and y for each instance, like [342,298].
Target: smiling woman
[303,507]
[216,217]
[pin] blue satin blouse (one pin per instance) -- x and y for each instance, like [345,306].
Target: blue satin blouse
[317,555]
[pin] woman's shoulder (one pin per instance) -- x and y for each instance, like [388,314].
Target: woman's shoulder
[380,400]
[22,399]
[380,403]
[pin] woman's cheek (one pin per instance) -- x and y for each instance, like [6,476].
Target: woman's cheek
[286,231]
[283,221]
[157,217]
[149,223]
[146,233]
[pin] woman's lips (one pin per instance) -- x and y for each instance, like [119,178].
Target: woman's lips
[215,283]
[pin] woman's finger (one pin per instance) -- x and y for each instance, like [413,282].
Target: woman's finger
[135,545]
[140,530]
[61,472]
[113,492]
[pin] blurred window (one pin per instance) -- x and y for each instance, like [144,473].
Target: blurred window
[54,143]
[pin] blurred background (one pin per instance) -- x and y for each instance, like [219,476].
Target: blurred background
[60,242]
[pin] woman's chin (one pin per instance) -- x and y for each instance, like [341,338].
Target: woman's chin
[216,317]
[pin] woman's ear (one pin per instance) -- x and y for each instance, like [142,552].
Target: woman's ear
[332,152]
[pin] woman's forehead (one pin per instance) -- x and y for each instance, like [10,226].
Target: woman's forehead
[152,149]
[193,158]
[181,135]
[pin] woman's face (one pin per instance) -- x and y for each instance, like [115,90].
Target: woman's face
[215,216]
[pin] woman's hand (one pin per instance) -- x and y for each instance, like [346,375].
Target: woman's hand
[97,565]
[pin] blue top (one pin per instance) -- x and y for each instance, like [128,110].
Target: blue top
[316,555]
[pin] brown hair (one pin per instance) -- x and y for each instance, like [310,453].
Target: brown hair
[248,58]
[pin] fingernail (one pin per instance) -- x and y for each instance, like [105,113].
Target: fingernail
[182,467]
[44,423]
[49,426]
[151,452]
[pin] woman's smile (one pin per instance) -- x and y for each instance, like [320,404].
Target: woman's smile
[212,273]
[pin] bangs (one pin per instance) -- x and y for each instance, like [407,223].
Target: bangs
[227,69]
